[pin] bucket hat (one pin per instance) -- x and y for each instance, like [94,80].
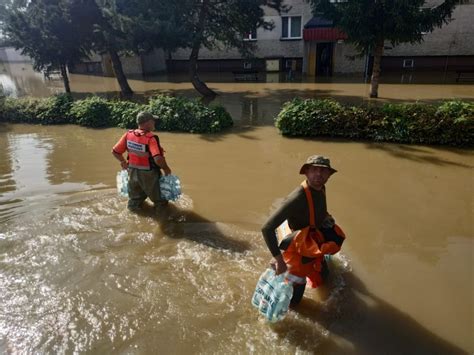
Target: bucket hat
[317,160]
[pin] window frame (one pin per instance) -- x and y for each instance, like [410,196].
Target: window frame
[409,61]
[250,37]
[290,26]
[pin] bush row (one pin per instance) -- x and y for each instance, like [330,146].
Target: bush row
[176,114]
[449,123]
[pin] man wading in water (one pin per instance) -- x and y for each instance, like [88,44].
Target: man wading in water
[145,161]
[312,231]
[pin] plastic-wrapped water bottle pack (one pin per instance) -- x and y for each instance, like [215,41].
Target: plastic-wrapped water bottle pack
[170,187]
[272,295]
[122,183]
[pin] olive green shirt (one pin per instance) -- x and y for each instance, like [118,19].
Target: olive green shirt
[295,210]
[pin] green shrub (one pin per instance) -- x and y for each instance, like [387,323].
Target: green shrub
[19,110]
[450,123]
[55,109]
[92,112]
[124,113]
[179,114]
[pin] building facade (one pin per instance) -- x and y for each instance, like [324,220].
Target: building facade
[301,42]
[309,44]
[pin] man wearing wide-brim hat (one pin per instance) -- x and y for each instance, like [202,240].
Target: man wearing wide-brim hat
[311,232]
[145,163]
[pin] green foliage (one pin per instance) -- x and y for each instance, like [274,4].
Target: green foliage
[123,113]
[55,109]
[450,123]
[45,31]
[179,114]
[176,114]
[92,112]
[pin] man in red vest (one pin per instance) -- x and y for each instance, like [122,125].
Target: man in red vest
[144,163]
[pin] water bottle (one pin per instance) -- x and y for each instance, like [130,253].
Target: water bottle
[259,289]
[122,183]
[170,187]
[283,292]
[272,295]
[285,295]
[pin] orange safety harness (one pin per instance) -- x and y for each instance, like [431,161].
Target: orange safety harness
[304,249]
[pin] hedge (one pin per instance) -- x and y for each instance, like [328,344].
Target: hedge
[176,114]
[448,123]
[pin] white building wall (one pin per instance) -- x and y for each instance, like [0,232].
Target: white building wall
[268,43]
[454,38]
[10,54]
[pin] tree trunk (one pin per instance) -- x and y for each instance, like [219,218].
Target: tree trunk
[119,74]
[198,84]
[374,81]
[65,77]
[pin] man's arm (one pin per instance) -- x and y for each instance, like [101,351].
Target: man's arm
[121,159]
[269,234]
[161,162]
[119,149]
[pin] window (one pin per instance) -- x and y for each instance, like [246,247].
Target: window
[291,27]
[247,65]
[408,63]
[251,36]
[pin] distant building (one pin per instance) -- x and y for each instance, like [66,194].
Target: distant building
[301,42]
[10,54]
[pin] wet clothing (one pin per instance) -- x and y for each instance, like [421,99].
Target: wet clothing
[307,241]
[144,175]
[295,210]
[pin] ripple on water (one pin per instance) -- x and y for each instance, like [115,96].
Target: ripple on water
[92,277]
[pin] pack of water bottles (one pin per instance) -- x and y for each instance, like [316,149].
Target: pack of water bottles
[272,295]
[122,183]
[170,187]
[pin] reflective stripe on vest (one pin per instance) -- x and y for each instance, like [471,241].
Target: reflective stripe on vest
[138,150]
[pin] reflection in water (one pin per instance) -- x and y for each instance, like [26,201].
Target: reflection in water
[78,273]
[25,175]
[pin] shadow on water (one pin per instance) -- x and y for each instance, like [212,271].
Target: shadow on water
[419,154]
[362,324]
[177,223]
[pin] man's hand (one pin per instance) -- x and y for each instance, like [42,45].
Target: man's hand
[124,164]
[278,264]
[167,171]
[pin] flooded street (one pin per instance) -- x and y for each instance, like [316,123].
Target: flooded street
[80,274]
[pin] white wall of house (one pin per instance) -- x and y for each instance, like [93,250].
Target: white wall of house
[268,43]
[343,63]
[10,54]
[454,38]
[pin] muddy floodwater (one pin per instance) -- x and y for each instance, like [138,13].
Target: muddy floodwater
[80,274]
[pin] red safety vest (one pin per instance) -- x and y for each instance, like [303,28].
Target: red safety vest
[304,249]
[138,148]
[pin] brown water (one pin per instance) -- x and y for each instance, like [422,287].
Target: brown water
[78,273]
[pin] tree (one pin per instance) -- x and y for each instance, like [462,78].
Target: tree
[44,30]
[369,23]
[213,24]
[108,30]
